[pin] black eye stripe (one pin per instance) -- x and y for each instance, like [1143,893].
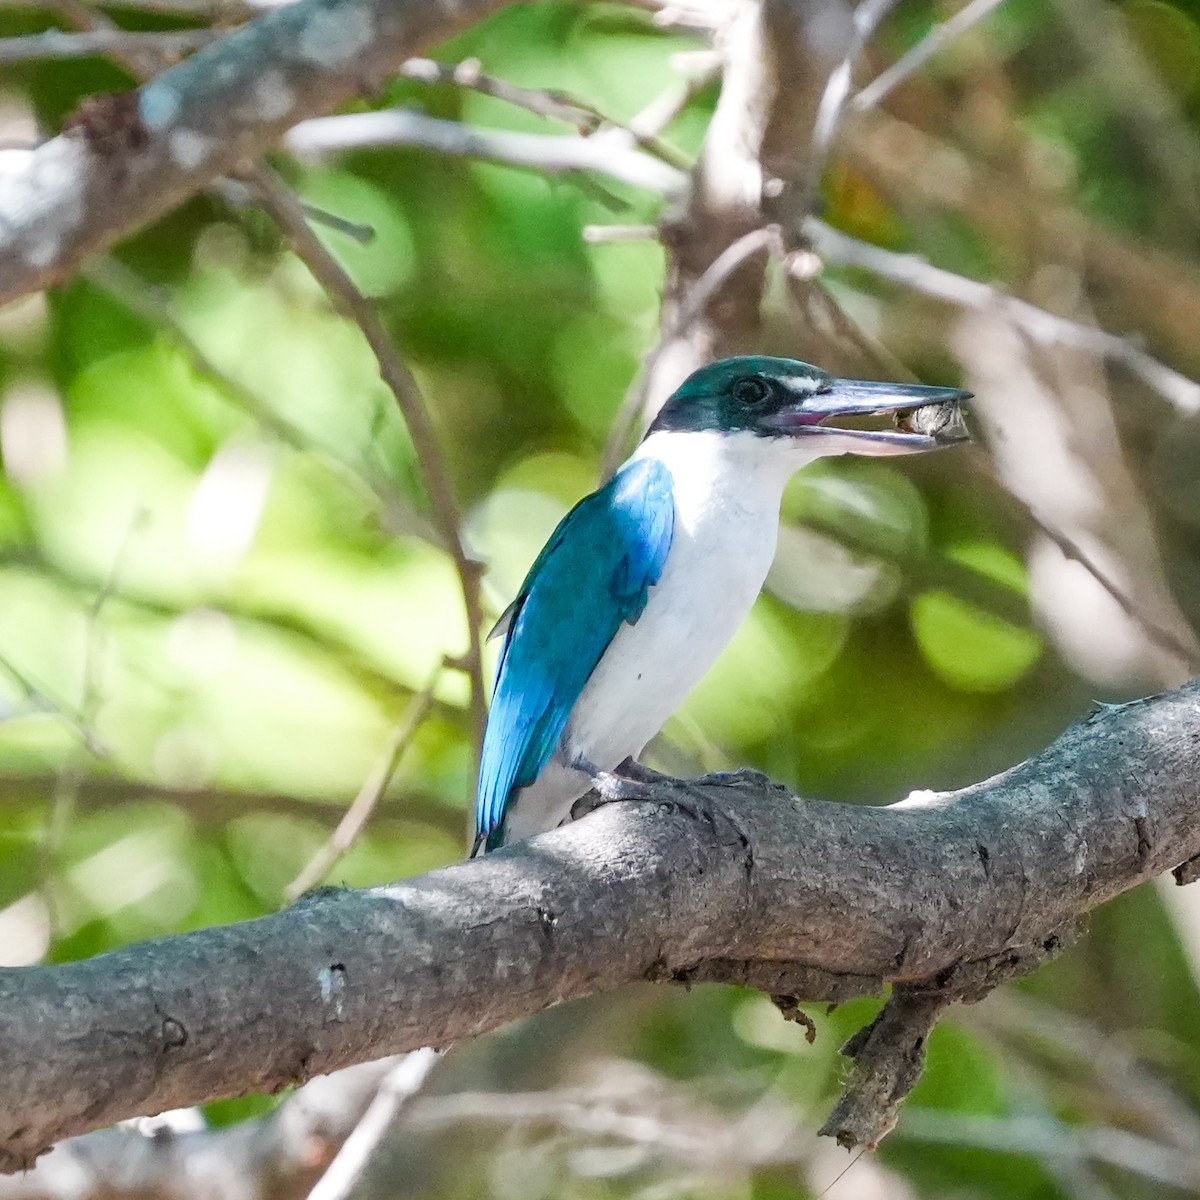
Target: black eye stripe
[751,390]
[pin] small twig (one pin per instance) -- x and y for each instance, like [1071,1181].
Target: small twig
[287,212]
[1042,326]
[152,306]
[56,43]
[1165,639]
[558,106]
[607,151]
[65,795]
[364,235]
[42,702]
[599,234]
[972,294]
[356,816]
[469,74]
[402,1083]
[913,60]
[707,287]
[210,10]
[1132,1152]
[867,17]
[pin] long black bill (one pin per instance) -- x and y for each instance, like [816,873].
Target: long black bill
[922,417]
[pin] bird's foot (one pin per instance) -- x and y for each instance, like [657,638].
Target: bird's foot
[745,777]
[627,783]
[636,771]
[611,787]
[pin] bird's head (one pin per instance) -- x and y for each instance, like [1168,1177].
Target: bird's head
[804,407]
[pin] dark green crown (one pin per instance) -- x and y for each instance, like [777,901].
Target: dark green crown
[735,394]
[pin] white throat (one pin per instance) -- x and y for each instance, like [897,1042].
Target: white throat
[740,470]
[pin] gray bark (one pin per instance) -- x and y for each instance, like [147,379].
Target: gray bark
[730,879]
[129,157]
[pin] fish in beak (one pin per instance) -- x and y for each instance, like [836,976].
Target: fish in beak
[921,418]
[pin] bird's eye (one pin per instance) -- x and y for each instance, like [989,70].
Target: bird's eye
[751,390]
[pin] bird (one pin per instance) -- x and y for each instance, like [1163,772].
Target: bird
[645,580]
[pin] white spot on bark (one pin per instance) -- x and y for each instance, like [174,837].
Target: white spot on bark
[41,197]
[189,148]
[158,105]
[332,982]
[333,38]
[273,98]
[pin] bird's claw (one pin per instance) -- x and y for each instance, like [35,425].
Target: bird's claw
[745,777]
[630,768]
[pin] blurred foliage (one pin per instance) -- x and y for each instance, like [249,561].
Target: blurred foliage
[218,568]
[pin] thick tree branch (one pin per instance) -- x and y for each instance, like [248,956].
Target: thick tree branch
[130,157]
[728,878]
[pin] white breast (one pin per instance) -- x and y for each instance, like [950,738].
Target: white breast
[727,490]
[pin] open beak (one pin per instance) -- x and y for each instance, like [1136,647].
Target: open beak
[922,418]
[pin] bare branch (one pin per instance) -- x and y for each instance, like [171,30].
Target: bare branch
[469,74]
[1044,327]
[402,1083]
[1185,656]
[152,306]
[867,17]
[130,157]
[369,795]
[290,216]
[943,891]
[913,60]
[54,43]
[587,119]
[597,234]
[889,1055]
[607,152]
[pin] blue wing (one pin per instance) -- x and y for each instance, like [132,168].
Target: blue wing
[594,573]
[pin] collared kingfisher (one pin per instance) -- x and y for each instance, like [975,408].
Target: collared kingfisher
[645,581]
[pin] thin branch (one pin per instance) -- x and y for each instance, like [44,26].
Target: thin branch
[868,15]
[913,60]
[559,106]
[402,1083]
[598,234]
[55,43]
[606,152]
[470,74]
[369,795]
[1051,1139]
[155,309]
[949,893]
[1186,656]
[287,212]
[1041,326]
[44,703]
[802,285]
[213,807]
[65,794]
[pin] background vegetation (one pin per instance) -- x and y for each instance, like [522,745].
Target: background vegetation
[219,594]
